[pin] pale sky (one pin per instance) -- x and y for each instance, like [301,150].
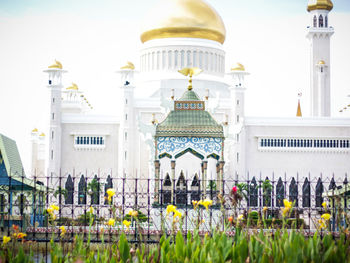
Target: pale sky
[93,39]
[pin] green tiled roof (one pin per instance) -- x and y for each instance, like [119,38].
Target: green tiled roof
[189,95]
[10,154]
[189,123]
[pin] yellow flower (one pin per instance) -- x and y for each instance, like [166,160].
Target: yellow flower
[126,223]
[287,204]
[170,208]
[110,193]
[240,217]
[133,213]
[91,210]
[322,224]
[264,209]
[55,207]
[50,210]
[63,230]
[5,239]
[177,214]
[324,204]
[326,216]
[285,211]
[206,203]
[111,222]
[195,204]
[21,235]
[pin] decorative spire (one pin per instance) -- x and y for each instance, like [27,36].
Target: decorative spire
[299,108]
[56,65]
[190,72]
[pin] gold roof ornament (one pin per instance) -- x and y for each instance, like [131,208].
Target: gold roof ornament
[321,62]
[35,130]
[73,87]
[190,72]
[238,67]
[183,19]
[42,134]
[129,65]
[319,5]
[56,65]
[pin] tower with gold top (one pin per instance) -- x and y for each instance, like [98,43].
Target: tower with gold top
[55,72]
[319,34]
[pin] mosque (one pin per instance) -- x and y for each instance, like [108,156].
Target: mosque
[193,127]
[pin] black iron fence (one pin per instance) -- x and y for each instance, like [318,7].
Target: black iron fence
[24,202]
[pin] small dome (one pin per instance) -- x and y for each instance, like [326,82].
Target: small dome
[73,87]
[35,130]
[321,62]
[184,19]
[238,67]
[320,4]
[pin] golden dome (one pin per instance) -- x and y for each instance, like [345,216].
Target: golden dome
[184,18]
[42,134]
[238,67]
[320,4]
[321,62]
[73,87]
[35,130]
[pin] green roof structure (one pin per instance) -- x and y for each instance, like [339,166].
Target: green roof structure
[11,167]
[189,118]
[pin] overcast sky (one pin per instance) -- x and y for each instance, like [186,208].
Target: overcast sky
[93,39]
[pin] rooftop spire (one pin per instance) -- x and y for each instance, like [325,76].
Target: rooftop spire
[190,72]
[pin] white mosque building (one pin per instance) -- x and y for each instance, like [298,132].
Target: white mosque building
[188,34]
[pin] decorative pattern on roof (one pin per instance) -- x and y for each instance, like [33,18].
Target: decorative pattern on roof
[10,155]
[189,95]
[189,118]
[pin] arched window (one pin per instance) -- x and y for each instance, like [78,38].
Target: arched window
[315,21]
[82,191]
[293,192]
[176,58]
[195,189]
[166,190]
[94,187]
[319,192]
[320,21]
[70,190]
[279,193]
[108,185]
[267,191]
[306,193]
[181,193]
[326,21]
[253,193]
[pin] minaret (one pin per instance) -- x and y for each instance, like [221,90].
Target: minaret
[38,153]
[55,72]
[319,34]
[236,125]
[127,122]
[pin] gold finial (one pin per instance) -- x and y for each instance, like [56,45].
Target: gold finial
[73,87]
[238,67]
[129,65]
[299,114]
[172,94]
[190,72]
[56,65]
